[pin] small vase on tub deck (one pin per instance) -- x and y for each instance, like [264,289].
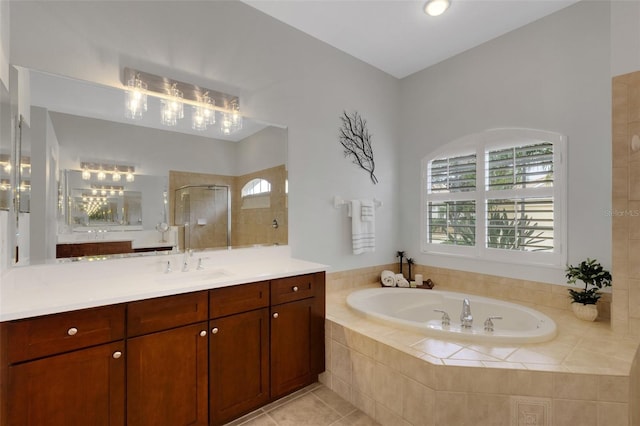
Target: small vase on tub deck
[594,277]
[585,312]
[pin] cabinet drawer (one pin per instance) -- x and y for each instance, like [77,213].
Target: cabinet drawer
[239,298]
[288,289]
[37,337]
[163,313]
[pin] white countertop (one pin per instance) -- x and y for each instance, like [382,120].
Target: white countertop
[45,289]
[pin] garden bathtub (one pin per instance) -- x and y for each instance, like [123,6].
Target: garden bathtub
[416,309]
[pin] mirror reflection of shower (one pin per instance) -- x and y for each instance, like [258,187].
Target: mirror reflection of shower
[204,214]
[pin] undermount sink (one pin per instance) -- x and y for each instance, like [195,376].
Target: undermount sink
[194,275]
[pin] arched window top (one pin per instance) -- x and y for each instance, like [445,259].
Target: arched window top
[255,187]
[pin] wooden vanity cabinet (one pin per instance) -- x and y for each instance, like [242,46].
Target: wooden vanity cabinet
[66,369]
[200,358]
[297,332]
[238,350]
[167,361]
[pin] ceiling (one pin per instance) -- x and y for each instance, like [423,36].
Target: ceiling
[396,36]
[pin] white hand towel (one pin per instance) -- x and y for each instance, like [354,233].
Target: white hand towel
[401,281]
[363,234]
[388,279]
[367,209]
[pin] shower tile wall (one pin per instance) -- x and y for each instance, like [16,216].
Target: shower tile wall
[625,211]
[254,226]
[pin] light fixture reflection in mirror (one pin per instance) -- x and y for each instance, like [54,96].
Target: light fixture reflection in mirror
[103,171]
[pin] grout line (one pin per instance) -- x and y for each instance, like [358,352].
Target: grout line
[330,407]
[274,420]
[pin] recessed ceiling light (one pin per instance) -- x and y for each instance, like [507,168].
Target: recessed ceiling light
[436,7]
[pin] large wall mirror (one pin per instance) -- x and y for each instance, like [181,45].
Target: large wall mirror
[104,184]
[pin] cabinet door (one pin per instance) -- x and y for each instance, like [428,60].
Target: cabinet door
[167,377]
[239,364]
[84,387]
[296,347]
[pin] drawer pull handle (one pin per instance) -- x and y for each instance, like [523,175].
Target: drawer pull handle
[203,333]
[72,331]
[295,288]
[117,354]
[214,330]
[275,315]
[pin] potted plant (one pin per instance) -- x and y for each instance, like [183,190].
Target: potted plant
[595,277]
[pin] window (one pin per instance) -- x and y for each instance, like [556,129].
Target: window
[497,195]
[255,187]
[256,194]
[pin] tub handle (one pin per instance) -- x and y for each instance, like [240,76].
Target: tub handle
[446,320]
[488,324]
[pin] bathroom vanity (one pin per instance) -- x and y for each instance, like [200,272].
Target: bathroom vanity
[220,346]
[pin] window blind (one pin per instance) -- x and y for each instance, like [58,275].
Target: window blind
[454,174]
[527,166]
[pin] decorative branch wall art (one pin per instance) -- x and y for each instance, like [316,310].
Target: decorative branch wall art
[356,140]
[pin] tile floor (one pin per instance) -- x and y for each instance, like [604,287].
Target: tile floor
[315,405]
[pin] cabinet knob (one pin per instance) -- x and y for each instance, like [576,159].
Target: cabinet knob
[275,315]
[295,288]
[203,333]
[117,354]
[214,330]
[72,331]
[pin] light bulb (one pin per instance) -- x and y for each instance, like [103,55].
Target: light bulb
[436,7]
[135,99]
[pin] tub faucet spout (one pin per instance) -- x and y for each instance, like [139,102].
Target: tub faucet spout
[466,319]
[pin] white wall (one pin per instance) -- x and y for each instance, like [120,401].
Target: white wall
[44,192]
[625,36]
[282,76]
[553,74]
[261,150]
[4,43]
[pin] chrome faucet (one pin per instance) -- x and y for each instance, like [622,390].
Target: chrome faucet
[466,319]
[185,263]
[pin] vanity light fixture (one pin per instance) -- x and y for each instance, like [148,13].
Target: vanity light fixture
[172,107]
[436,7]
[129,176]
[203,115]
[136,98]
[175,94]
[103,171]
[7,165]
[231,121]
[86,174]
